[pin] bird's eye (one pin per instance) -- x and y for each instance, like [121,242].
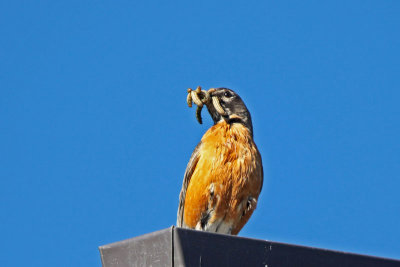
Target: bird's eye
[228,94]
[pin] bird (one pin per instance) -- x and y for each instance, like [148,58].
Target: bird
[224,176]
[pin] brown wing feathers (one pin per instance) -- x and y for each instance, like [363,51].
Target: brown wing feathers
[188,174]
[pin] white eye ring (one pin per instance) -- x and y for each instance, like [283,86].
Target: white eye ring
[228,94]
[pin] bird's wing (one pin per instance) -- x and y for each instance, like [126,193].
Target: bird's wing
[188,174]
[262,173]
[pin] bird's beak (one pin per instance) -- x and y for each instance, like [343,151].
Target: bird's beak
[216,103]
[214,106]
[211,91]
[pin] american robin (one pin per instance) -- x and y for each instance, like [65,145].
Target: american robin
[224,176]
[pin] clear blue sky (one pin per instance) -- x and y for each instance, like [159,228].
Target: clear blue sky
[95,133]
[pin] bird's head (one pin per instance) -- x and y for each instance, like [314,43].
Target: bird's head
[235,111]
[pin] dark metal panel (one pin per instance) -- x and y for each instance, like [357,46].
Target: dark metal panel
[154,249]
[183,247]
[194,248]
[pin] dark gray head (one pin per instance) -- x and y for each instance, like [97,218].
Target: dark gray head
[234,107]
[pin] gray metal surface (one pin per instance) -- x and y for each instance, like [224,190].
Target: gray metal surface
[194,248]
[183,247]
[154,249]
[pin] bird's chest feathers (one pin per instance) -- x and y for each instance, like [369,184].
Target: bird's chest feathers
[229,152]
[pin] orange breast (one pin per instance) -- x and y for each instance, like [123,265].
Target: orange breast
[230,163]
